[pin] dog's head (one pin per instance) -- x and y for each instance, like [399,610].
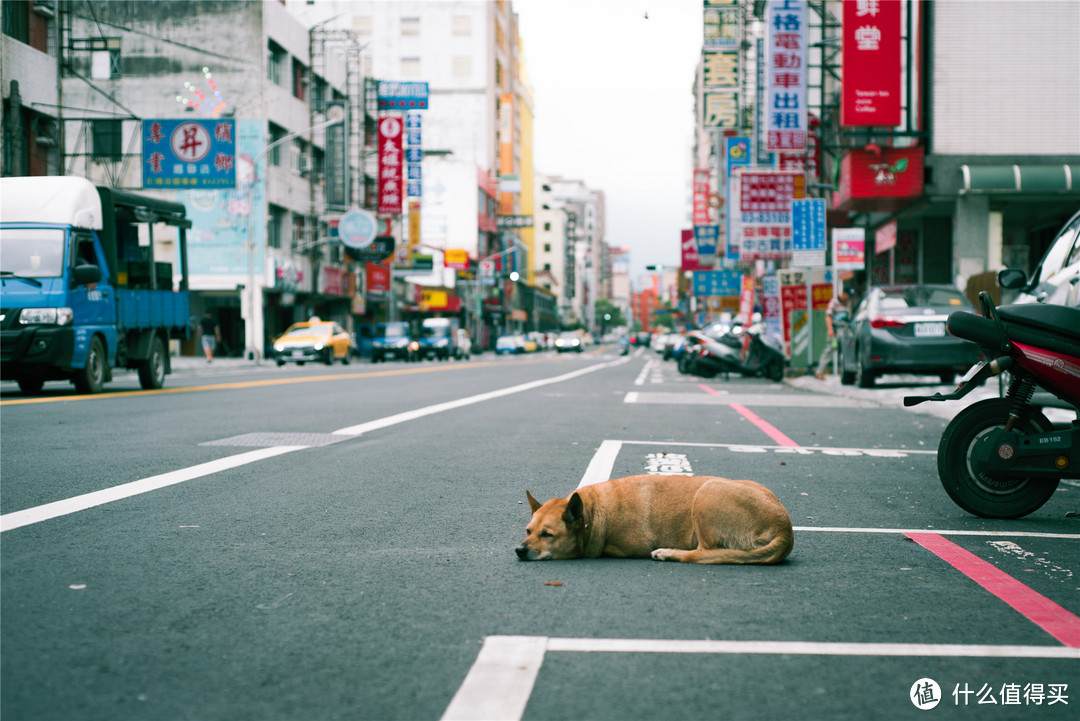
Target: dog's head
[556,531]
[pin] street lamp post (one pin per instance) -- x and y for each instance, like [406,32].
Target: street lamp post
[335,114]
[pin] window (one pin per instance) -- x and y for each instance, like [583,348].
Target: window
[299,235]
[461,66]
[361,25]
[410,67]
[16,17]
[108,139]
[547,246]
[276,133]
[300,79]
[461,26]
[274,224]
[275,63]
[410,27]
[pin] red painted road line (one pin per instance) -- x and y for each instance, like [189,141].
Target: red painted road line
[770,430]
[707,389]
[1040,610]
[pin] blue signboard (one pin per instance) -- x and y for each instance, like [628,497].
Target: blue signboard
[707,238]
[189,154]
[808,224]
[717,282]
[395,95]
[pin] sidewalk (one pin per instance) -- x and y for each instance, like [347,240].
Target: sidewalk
[891,389]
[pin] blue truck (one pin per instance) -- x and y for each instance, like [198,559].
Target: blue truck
[81,292]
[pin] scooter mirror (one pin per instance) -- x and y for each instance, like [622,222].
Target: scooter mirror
[1012,278]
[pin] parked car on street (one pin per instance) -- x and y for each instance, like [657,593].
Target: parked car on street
[1056,280]
[901,329]
[313,340]
[392,341]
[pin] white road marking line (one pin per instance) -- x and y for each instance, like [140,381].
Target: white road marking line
[640,380]
[18,519]
[631,397]
[362,428]
[501,680]
[801,450]
[601,464]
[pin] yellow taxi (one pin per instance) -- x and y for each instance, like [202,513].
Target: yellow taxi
[313,340]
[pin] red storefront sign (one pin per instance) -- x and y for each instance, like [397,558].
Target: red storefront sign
[391,188]
[690,258]
[880,180]
[377,279]
[871,63]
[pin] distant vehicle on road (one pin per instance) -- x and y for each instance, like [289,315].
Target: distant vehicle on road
[901,329]
[510,344]
[569,341]
[392,341]
[313,340]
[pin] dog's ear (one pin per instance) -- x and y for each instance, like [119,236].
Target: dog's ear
[575,510]
[533,503]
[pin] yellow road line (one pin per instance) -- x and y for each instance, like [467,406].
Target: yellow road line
[250,384]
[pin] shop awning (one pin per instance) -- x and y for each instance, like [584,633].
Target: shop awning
[1020,178]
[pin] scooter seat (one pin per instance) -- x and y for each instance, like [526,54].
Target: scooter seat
[1055,327]
[1055,318]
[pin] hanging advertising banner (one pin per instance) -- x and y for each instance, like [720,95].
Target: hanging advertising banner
[785,56]
[390,166]
[722,26]
[376,280]
[690,258]
[808,233]
[871,63]
[395,95]
[770,306]
[707,237]
[701,196]
[414,156]
[720,63]
[713,283]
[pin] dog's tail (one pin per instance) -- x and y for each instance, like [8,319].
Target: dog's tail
[775,551]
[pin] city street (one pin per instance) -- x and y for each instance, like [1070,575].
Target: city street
[316,543]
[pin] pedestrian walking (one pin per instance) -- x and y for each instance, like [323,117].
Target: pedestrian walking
[210,333]
[836,312]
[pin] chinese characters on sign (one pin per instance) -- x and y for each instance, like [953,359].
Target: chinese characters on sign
[785,55]
[189,154]
[414,156]
[763,224]
[720,63]
[390,166]
[402,96]
[701,196]
[871,63]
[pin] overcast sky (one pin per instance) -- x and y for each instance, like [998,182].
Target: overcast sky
[613,93]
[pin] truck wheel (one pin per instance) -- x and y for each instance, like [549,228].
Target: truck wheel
[91,379]
[152,370]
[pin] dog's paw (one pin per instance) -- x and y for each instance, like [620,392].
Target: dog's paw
[664,554]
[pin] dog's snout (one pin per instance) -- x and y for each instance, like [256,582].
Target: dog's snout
[522,552]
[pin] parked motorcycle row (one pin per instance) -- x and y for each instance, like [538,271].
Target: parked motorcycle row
[724,349]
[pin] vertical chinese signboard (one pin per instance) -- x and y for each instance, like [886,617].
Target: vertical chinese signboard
[720,63]
[414,156]
[390,166]
[871,63]
[189,154]
[785,55]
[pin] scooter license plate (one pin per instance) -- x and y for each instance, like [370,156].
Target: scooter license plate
[929,330]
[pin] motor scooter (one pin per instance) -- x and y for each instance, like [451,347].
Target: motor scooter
[754,354]
[1002,457]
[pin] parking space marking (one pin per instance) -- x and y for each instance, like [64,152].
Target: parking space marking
[1040,610]
[498,686]
[772,400]
[18,519]
[764,426]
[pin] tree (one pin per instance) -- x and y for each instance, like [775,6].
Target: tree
[608,315]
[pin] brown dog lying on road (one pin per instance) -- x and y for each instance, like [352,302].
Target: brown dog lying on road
[693,519]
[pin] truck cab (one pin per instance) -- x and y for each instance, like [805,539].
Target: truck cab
[80,290]
[439,338]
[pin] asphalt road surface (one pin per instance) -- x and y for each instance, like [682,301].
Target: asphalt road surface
[337,543]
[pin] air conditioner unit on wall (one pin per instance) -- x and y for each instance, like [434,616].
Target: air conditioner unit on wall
[45,8]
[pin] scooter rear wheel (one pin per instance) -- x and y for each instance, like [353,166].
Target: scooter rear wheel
[976,492]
